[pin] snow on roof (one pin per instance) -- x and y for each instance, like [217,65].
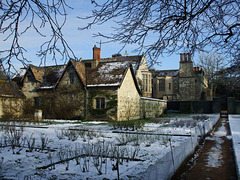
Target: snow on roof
[20,73]
[107,73]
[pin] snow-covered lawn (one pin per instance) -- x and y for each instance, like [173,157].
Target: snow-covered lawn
[234,121]
[94,150]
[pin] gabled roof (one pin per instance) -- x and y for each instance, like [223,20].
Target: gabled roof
[9,89]
[51,76]
[79,68]
[162,73]
[19,74]
[47,76]
[108,73]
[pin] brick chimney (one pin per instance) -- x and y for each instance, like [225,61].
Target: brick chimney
[96,56]
[185,57]
[96,53]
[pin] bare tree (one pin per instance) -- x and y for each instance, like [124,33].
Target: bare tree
[211,64]
[229,81]
[173,25]
[36,14]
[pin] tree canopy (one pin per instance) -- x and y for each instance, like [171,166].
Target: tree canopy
[36,15]
[155,26]
[173,25]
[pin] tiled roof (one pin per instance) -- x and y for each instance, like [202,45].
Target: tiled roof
[107,73]
[9,89]
[159,73]
[51,75]
[80,68]
[20,73]
[134,60]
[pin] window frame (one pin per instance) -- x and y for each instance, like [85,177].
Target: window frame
[71,78]
[100,103]
[161,85]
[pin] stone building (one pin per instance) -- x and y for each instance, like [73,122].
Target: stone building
[11,98]
[98,88]
[187,83]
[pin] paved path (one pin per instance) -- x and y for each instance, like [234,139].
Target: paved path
[214,159]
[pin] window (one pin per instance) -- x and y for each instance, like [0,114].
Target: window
[37,102]
[100,103]
[145,82]
[71,77]
[88,65]
[161,84]
[30,76]
[169,86]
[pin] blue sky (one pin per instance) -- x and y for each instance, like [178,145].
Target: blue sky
[82,42]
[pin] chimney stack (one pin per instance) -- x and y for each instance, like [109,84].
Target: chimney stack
[185,57]
[96,53]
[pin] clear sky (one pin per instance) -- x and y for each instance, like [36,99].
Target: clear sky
[82,42]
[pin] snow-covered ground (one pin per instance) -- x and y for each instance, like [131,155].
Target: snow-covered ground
[234,121]
[93,150]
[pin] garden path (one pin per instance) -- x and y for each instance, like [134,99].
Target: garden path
[214,159]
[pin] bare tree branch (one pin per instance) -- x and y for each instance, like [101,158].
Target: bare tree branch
[36,15]
[173,24]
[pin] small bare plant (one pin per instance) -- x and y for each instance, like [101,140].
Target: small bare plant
[50,157]
[161,120]
[44,141]
[1,163]
[59,134]
[14,137]
[70,134]
[200,117]
[149,139]
[31,143]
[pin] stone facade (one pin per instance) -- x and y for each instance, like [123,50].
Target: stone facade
[186,84]
[95,89]
[11,99]
[128,99]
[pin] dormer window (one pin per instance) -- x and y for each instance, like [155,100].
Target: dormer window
[30,77]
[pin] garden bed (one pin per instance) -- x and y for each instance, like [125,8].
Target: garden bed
[96,150]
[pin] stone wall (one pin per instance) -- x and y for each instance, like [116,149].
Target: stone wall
[11,107]
[151,108]
[187,89]
[109,112]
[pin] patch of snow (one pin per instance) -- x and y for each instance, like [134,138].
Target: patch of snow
[111,66]
[214,158]
[234,122]
[46,87]
[158,161]
[20,73]
[229,137]
[5,95]
[104,85]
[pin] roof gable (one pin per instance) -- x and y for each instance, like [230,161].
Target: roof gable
[79,68]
